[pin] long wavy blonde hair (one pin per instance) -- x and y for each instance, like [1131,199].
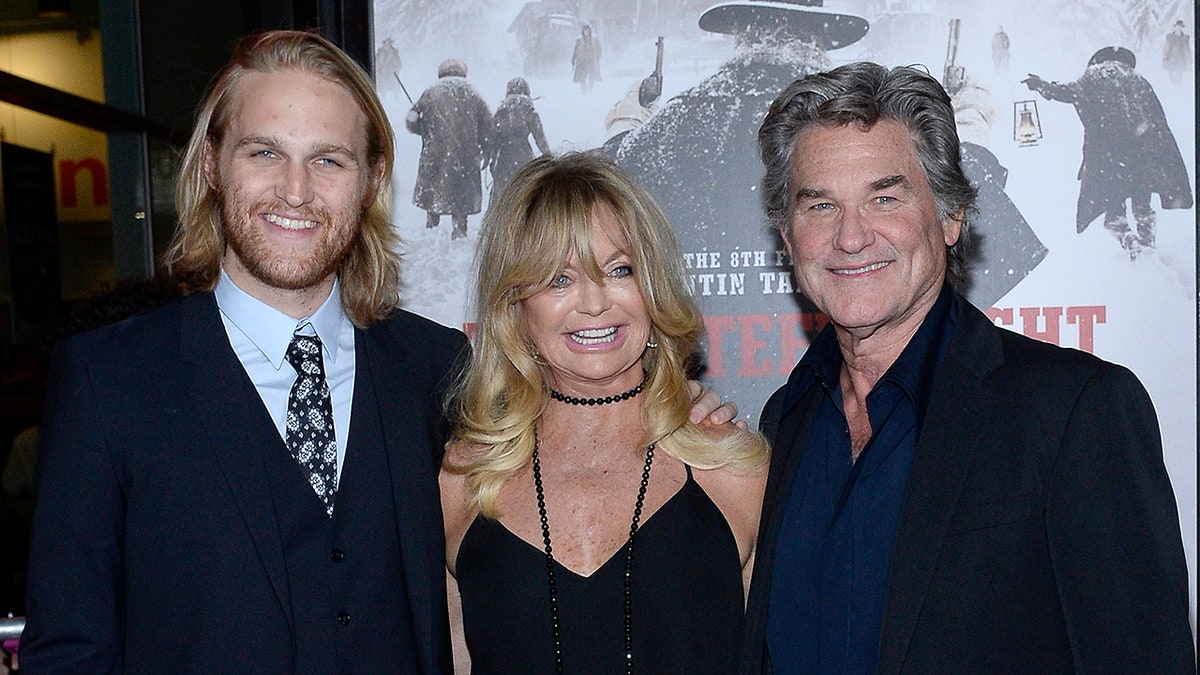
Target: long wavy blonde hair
[370,270]
[543,216]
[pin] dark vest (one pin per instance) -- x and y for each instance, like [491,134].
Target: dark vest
[345,580]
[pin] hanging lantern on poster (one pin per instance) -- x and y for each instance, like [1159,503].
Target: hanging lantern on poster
[1027,126]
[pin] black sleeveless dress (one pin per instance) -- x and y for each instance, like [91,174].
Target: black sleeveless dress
[686,598]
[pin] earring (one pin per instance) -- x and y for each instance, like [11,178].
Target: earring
[652,343]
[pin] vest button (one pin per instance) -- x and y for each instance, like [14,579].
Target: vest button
[343,618]
[336,555]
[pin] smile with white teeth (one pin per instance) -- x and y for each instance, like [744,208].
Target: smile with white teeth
[595,336]
[290,223]
[863,270]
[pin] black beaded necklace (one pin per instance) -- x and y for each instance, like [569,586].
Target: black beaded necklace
[557,396]
[626,584]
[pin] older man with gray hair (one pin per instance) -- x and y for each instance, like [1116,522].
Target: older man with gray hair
[944,495]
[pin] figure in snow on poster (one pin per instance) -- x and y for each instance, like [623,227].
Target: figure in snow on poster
[1129,151]
[1000,45]
[456,128]
[586,59]
[1001,248]
[631,112]
[635,107]
[387,65]
[516,121]
[1177,53]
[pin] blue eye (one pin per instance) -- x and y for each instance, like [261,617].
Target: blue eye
[560,281]
[621,271]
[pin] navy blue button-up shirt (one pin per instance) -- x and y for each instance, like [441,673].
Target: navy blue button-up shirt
[839,527]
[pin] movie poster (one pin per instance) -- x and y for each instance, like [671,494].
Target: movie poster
[1058,102]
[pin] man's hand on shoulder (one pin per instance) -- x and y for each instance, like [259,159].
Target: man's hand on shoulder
[709,410]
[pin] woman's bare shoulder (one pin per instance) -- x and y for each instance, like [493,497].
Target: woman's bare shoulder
[740,481]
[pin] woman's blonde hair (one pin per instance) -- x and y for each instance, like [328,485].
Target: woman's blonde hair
[370,270]
[542,218]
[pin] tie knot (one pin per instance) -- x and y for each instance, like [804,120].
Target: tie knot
[304,353]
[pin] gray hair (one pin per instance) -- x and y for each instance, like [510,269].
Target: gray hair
[864,93]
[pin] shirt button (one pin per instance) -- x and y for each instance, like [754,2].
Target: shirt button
[343,618]
[336,555]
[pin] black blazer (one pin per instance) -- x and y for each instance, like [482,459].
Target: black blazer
[156,544]
[1039,531]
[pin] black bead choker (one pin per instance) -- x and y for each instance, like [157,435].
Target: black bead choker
[557,396]
[626,585]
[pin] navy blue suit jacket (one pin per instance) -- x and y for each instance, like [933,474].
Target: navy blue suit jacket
[1039,531]
[156,544]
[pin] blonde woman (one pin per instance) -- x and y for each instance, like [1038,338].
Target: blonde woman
[591,526]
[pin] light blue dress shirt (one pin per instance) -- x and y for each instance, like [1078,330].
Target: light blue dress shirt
[260,335]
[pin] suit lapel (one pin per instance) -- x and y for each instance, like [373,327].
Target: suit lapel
[955,424]
[412,446]
[787,449]
[236,427]
[789,444]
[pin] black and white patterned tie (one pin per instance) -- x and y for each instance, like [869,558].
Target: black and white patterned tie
[310,435]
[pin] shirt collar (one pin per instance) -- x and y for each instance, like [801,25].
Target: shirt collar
[916,367]
[913,370]
[823,358]
[271,330]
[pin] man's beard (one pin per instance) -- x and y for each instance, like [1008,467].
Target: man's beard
[280,267]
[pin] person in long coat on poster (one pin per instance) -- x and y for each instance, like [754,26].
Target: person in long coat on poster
[1128,149]
[1000,45]
[1177,53]
[456,128]
[586,59]
[516,121]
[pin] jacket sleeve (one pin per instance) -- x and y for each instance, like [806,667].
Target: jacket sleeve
[75,585]
[485,129]
[1056,91]
[1114,536]
[539,134]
